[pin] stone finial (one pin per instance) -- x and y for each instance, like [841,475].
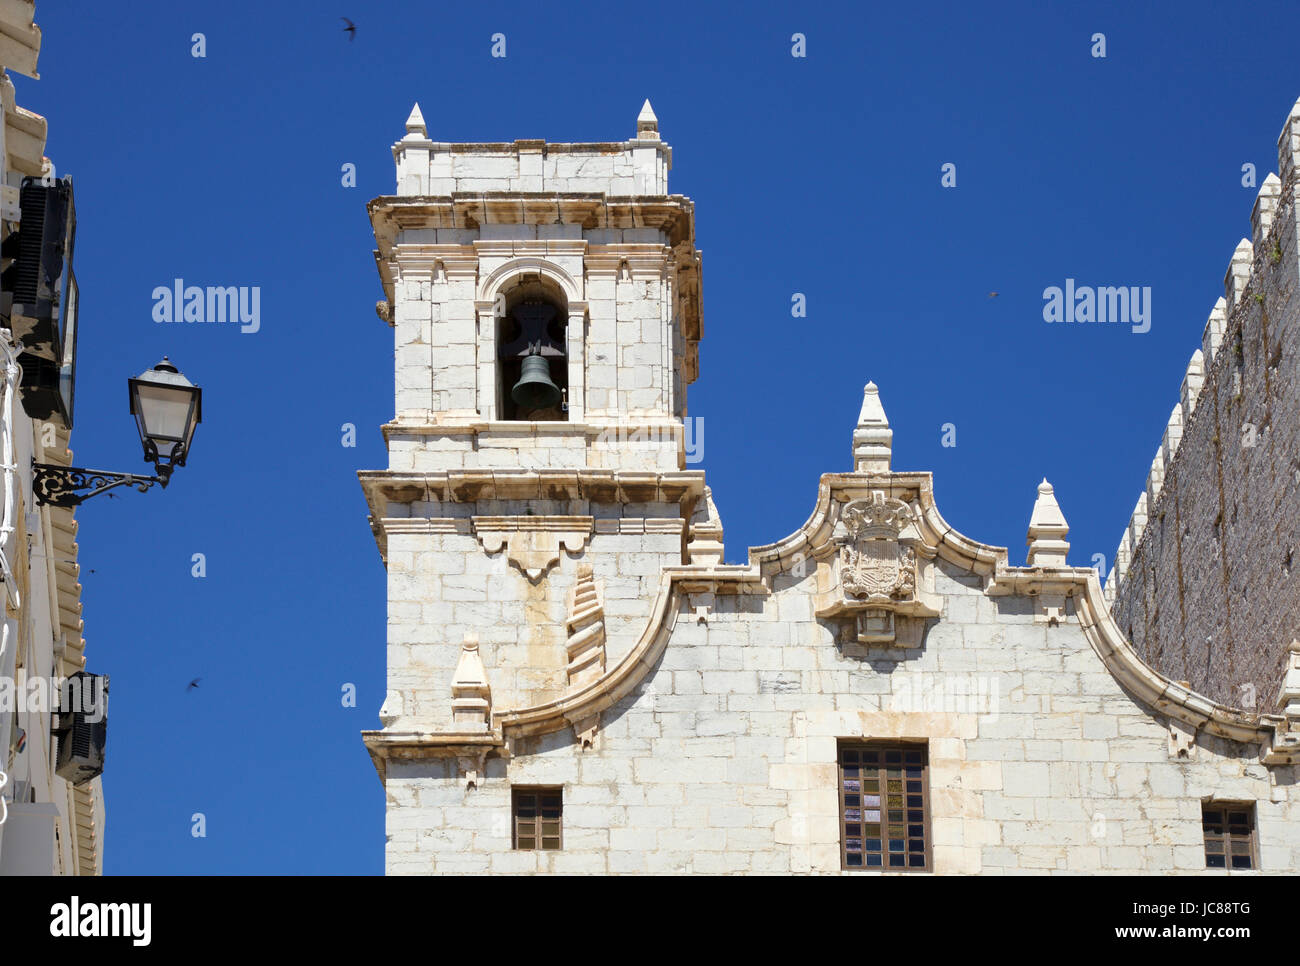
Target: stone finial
[1047,530]
[1288,144]
[1288,697]
[647,125]
[1261,216]
[1214,326]
[415,124]
[471,697]
[1238,274]
[873,439]
[1193,380]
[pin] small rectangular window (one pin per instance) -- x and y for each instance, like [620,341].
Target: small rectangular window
[884,807]
[1229,829]
[537,818]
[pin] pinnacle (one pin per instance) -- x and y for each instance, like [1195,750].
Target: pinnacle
[415,123]
[873,412]
[647,125]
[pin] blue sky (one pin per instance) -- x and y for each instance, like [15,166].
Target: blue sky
[818,175]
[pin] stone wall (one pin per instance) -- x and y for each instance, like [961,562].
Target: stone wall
[444,584]
[638,166]
[1207,584]
[724,758]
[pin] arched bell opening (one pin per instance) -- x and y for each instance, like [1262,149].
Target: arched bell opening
[532,354]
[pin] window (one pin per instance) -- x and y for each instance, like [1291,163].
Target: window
[884,807]
[1229,829]
[537,818]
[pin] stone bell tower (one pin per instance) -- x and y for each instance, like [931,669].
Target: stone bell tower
[545,305]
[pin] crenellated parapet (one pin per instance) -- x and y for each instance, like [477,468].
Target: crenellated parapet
[1222,482]
[1252,257]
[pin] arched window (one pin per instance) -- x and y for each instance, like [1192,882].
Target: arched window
[532,352]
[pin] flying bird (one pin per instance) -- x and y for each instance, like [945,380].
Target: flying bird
[350,29]
[193,684]
[993,295]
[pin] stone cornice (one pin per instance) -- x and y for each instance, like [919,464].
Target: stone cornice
[384,488]
[390,214]
[593,427]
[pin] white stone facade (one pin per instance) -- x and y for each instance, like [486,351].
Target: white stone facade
[691,711]
[48,826]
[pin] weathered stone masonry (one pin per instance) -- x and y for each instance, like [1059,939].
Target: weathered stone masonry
[1207,578]
[560,616]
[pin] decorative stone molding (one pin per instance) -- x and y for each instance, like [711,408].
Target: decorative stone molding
[586,623]
[532,543]
[874,571]
[705,545]
[390,493]
[1182,740]
[470,750]
[586,731]
[471,697]
[500,278]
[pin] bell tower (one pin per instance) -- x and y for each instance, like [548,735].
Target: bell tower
[545,305]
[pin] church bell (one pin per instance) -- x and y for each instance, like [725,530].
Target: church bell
[534,390]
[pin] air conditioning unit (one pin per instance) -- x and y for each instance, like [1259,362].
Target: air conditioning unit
[40,297]
[83,727]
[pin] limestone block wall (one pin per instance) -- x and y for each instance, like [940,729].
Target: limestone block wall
[625,350]
[723,759]
[635,167]
[443,584]
[1206,582]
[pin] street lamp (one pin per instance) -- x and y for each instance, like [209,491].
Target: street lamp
[167,407]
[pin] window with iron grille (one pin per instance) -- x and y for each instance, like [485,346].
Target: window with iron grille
[884,807]
[538,814]
[1229,829]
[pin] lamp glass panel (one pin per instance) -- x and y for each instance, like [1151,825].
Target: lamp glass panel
[164,413]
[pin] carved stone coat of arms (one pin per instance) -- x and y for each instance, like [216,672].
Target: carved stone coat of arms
[877,566]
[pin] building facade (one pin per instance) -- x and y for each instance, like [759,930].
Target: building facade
[577,682]
[48,824]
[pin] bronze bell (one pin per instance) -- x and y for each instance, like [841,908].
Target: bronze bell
[534,390]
